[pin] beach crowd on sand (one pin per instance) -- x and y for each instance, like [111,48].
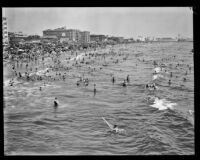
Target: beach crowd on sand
[49,62]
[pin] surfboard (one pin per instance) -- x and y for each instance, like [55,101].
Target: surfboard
[109,125]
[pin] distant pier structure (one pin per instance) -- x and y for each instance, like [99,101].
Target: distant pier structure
[181,38]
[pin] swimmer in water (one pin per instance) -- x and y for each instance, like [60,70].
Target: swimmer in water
[171,74]
[86,83]
[11,82]
[113,79]
[169,82]
[114,127]
[118,130]
[15,73]
[128,79]
[78,83]
[151,86]
[95,90]
[124,83]
[55,103]
[154,86]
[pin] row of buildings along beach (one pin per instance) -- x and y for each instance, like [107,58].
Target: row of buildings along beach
[63,35]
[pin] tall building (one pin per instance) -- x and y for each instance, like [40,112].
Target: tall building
[5,31]
[58,32]
[85,37]
[70,34]
[73,35]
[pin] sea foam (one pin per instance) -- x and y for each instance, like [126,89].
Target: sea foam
[162,104]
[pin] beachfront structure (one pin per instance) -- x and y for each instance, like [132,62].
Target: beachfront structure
[17,36]
[64,39]
[73,35]
[64,34]
[58,32]
[97,38]
[141,38]
[120,39]
[166,39]
[116,39]
[185,40]
[85,37]
[129,40]
[181,38]
[5,31]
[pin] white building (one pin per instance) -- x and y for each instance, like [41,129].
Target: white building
[5,31]
[141,38]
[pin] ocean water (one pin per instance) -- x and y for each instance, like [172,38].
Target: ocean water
[32,126]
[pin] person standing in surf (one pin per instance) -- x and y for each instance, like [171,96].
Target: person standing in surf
[56,103]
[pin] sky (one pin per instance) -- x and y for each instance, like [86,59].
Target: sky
[128,22]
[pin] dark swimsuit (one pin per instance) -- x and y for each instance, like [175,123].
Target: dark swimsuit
[124,84]
[55,104]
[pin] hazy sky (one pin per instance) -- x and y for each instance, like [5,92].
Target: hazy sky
[117,21]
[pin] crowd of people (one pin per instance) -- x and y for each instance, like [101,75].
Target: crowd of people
[163,70]
[51,62]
